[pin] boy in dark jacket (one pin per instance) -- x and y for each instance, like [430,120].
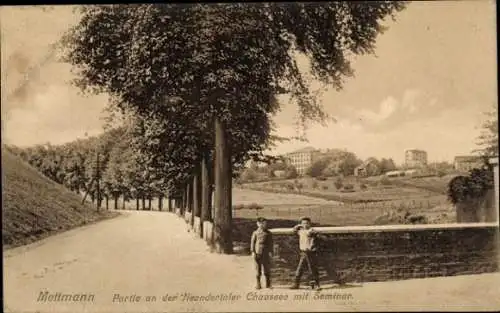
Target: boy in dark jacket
[261,247]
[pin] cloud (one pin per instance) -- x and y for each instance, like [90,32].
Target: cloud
[387,107]
[409,100]
[56,114]
[392,112]
[393,109]
[28,51]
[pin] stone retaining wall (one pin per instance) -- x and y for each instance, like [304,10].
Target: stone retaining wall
[381,253]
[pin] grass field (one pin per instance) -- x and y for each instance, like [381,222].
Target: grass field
[363,190]
[331,213]
[34,206]
[284,210]
[372,201]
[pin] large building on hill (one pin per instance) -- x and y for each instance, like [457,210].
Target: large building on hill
[415,158]
[302,159]
[466,163]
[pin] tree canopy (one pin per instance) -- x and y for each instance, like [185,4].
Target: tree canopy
[488,138]
[142,53]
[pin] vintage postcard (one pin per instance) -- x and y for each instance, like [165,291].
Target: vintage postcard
[250,157]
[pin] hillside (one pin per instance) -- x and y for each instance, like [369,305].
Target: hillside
[34,206]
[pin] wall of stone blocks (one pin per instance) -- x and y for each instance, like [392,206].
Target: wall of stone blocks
[393,253]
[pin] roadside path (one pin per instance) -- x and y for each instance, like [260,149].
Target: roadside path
[152,254]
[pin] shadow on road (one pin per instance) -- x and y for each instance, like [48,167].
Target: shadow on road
[323,287]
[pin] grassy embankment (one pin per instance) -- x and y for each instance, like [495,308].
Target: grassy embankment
[35,207]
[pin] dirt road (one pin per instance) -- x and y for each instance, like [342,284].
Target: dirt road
[115,265]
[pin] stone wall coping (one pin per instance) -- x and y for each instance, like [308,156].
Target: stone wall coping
[388,228]
[493,161]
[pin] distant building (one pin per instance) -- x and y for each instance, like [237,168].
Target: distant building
[415,158]
[401,173]
[395,173]
[411,172]
[467,163]
[279,173]
[302,159]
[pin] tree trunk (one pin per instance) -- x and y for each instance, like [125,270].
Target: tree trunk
[149,203]
[213,201]
[107,202]
[206,191]
[197,193]
[137,206]
[188,200]
[123,204]
[143,202]
[92,197]
[160,203]
[189,197]
[169,204]
[98,178]
[223,180]
[116,201]
[184,199]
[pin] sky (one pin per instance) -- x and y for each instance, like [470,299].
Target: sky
[431,78]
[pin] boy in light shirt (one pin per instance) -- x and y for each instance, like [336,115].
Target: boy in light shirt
[308,253]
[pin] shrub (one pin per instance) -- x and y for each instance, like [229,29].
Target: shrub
[315,185]
[363,186]
[349,187]
[325,187]
[291,172]
[238,207]
[385,181]
[254,206]
[321,178]
[416,219]
[338,184]
[473,186]
[316,169]
[441,173]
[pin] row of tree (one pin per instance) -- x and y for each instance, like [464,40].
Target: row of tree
[104,167]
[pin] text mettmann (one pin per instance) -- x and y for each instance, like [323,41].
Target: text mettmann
[45,296]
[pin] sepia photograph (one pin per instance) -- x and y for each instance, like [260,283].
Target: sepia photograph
[250,157]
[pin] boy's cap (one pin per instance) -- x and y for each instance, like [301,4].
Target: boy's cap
[261,219]
[305,218]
